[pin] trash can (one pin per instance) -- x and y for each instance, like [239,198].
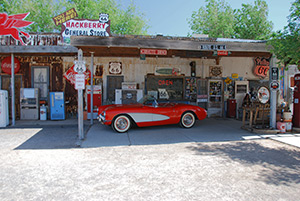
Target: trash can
[43,113]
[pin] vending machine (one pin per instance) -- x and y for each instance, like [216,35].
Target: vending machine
[29,103]
[57,106]
[215,98]
[4,114]
[97,99]
[241,89]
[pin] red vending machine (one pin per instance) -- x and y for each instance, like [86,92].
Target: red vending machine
[97,100]
[231,108]
[296,114]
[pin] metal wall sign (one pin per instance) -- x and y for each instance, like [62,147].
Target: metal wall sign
[263,95]
[274,73]
[10,24]
[261,66]
[274,85]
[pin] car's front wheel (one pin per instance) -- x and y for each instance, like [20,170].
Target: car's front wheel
[187,120]
[121,124]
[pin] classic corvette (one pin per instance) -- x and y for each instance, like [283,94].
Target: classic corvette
[149,112]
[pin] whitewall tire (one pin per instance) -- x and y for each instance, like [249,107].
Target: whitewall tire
[121,124]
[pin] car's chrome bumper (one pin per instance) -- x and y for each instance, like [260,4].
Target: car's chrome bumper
[101,118]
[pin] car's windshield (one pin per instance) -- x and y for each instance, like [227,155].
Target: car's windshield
[147,100]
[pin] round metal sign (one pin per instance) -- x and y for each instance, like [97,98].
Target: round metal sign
[274,85]
[263,95]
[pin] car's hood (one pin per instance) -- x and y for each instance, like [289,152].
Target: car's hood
[118,106]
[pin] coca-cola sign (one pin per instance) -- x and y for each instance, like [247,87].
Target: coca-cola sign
[6,65]
[261,66]
[70,75]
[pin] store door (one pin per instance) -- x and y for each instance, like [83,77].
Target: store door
[113,82]
[5,85]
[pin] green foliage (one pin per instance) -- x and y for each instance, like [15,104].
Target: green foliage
[218,19]
[285,44]
[251,21]
[128,21]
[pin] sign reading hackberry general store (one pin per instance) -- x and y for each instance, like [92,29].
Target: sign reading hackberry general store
[84,27]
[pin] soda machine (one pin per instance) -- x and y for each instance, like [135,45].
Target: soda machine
[97,99]
[29,103]
[57,106]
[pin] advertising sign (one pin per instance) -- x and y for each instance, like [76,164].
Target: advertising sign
[153,52]
[68,15]
[82,27]
[9,25]
[261,66]
[6,65]
[274,73]
[70,75]
[263,95]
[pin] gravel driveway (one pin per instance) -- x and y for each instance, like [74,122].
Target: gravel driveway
[236,170]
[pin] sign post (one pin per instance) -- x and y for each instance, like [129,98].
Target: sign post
[80,85]
[273,78]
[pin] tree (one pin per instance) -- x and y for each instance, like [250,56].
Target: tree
[216,20]
[251,21]
[285,44]
[41,12]
[128,21]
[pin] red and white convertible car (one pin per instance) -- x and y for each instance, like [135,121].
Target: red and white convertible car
[149,113]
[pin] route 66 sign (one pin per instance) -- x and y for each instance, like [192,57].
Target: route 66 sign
[103,18]
[115,68]
[79,66]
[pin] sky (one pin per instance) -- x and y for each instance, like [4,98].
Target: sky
[169,17]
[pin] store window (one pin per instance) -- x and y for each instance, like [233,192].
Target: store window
[40,79]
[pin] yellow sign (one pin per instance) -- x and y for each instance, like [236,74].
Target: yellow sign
[235,75]
[228,80]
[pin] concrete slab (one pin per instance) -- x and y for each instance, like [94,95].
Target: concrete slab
[294,141]
[100,135]
[208,130]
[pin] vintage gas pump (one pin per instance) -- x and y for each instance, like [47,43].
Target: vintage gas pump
[296,114]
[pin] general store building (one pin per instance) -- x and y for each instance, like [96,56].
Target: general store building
[196,70]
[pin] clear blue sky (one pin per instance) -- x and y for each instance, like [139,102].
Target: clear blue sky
[169,17]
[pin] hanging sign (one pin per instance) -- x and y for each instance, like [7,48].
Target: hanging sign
[6,65]
[70,14]
[9,25]
[261,66]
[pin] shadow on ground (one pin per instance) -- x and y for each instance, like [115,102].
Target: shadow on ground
[281,165]
[52,137]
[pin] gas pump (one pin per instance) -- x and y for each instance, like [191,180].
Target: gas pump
[296,113]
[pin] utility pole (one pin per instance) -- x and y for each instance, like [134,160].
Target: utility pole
[80,85]
[274,86]
[92,87]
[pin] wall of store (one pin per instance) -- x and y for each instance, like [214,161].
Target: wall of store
[135,69]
